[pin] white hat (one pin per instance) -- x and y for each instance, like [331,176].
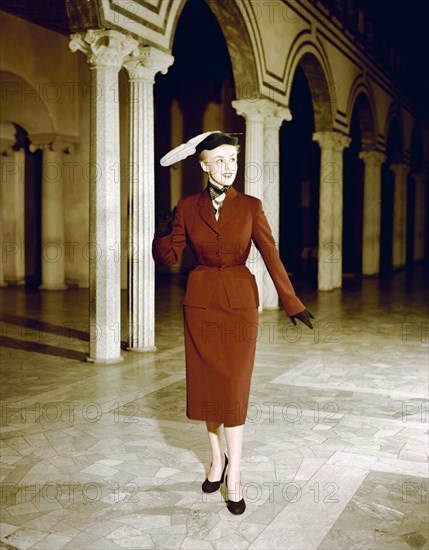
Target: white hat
[196,144]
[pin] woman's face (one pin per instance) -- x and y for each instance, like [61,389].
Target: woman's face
[220,164]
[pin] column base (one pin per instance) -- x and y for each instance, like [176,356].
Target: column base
[47,286]
[3,284]
[104,361]
[141,350]
[14,282]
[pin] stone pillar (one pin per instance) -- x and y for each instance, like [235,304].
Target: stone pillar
[52,225]
[105,51]
[6,166]
[419,216]
[332,145]
[254,113]
[142,67]
[13,214]
[272,126]
[371,211]
[2,256]
[399,214]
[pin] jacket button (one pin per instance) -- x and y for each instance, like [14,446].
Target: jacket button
[217,253]
[218,237]
[219,269]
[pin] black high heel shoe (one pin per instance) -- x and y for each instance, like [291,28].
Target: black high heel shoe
[234,507]
[212,486]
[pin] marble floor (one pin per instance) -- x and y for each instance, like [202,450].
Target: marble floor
[335,452]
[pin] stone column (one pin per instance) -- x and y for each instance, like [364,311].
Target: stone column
[272,126]
[52,225]
[13,214]
[419,216]
[254,112]
[142,67]
[2,256]
[399,214]
[332,145]
[6,165]
[105,51]
[371,211]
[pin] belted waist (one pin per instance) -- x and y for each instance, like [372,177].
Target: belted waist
[217,266]
[239,283]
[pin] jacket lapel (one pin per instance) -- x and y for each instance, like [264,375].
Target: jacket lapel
[228,209]
[206,210]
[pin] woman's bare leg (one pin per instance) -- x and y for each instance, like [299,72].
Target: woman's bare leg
[234,443]
[214,431]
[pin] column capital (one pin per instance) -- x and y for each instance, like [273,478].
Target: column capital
[373,158]
[419,177]
[400,169]
[262,110]
[278,115]
[332,140]
[144,62]
[106,48]
[52,142]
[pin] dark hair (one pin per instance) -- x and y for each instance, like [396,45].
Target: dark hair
[201,155]
[215,140]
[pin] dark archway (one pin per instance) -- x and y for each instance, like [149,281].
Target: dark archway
[32,211]
[416,159]
[195,96]
[362,102]
[394,155]
[26,113]
[32,246]
[416,162]
[299,183]
[320,92]
[353,181]
[362,133]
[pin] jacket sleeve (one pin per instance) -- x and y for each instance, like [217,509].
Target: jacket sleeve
[167,250]
[264,242]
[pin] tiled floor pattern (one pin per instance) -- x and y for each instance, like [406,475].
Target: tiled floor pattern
[335,453]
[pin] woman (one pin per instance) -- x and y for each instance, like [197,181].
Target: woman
[220,304]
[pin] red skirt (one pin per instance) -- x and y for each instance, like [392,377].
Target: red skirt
[220,345]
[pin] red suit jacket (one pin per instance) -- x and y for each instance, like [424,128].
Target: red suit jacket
[221,249]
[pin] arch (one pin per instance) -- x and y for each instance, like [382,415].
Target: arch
[21,104]
[394,135]
[394,120]
[238,42]
[362,99]
[299,183]
[313,60]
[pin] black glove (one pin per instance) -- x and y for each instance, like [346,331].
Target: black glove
[304,317]
[164,225]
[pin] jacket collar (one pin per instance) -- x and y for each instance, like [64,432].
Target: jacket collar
[227,212]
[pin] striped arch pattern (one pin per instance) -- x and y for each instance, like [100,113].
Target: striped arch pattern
[311,57]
